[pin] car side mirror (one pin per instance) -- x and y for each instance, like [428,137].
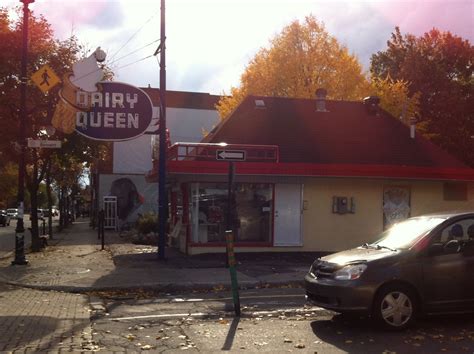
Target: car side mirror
[452,246]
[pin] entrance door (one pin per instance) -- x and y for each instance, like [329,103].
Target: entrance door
[288,211]
[110,211]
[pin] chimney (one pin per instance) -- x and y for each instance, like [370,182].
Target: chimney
[321,100]
[412,127]
[371,103]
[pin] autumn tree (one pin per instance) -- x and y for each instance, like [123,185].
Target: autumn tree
[43,49]
[301,59]
[395,98]
[438,65]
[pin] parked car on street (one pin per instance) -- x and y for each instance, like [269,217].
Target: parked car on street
[4,218]
[13,213]
[40,214]
[422,265]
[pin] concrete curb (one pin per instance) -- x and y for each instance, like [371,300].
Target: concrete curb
[157,287]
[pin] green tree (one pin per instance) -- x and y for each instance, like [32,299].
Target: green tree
[438,65]
[8,185]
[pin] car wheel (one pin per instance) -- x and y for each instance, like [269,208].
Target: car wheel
[395,307]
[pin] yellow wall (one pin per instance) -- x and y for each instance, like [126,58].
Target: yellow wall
[325,231]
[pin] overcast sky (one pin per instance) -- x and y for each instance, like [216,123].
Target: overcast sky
[209,42]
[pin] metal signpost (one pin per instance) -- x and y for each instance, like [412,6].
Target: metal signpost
[20,258]
[231,156]
[162,197]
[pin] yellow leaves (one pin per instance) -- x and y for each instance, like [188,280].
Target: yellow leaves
[395,99]
[299,60]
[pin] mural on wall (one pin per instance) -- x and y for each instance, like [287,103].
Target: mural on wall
[135,196]
[396,205]
[128,198]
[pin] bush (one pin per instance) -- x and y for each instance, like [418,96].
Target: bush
[147,223]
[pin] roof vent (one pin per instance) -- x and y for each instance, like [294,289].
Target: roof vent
[372,104]
[321,100]
[259,104]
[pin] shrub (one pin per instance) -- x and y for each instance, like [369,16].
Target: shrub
[148,223]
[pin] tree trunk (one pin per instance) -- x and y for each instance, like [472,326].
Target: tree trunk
[61,208]
[50,200]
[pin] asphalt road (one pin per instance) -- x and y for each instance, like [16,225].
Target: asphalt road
[273,320]
[7,236]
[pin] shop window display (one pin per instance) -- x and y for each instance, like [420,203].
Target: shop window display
[250,217]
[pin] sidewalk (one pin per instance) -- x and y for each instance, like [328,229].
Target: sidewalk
[74,262]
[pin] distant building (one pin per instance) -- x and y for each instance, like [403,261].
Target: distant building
[123,176]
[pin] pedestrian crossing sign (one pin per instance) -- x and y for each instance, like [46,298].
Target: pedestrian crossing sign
[45,78]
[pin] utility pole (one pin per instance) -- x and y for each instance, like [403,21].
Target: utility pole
[20,258]
[162,197]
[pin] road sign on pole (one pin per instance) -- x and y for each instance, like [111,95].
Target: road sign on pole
[45,78]
[230,155]
[44,144]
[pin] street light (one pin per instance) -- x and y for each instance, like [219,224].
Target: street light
[20,258]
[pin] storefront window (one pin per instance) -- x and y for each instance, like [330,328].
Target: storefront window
[251,218]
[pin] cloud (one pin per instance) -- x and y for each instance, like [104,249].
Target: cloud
[420,16]
[210,42]
[72,16]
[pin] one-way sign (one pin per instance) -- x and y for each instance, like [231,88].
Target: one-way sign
[230,155]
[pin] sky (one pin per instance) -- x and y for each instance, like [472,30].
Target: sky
[210,42]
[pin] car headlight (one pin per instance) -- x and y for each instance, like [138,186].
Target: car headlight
[350,272]
[313,267]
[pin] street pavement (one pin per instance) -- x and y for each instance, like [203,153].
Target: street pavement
[74,296]
[34,321]
[48,304]
[74,262]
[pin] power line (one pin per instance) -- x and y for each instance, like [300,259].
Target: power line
[134,34]
[116,60]
[124,66]
[133,52]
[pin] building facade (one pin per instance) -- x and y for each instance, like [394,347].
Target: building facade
[317,176]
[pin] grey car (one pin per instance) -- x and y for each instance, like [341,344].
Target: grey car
[422,265]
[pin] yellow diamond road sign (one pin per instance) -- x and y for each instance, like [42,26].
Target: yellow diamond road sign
[45,78]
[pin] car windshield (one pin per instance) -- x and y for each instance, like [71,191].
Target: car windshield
[405,234]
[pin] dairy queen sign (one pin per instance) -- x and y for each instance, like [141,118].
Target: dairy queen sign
[107,111]
[117,112]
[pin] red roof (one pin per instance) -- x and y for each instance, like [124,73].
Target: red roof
[183,99]
[346,134]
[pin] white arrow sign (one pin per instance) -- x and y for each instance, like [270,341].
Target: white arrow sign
[230,155]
